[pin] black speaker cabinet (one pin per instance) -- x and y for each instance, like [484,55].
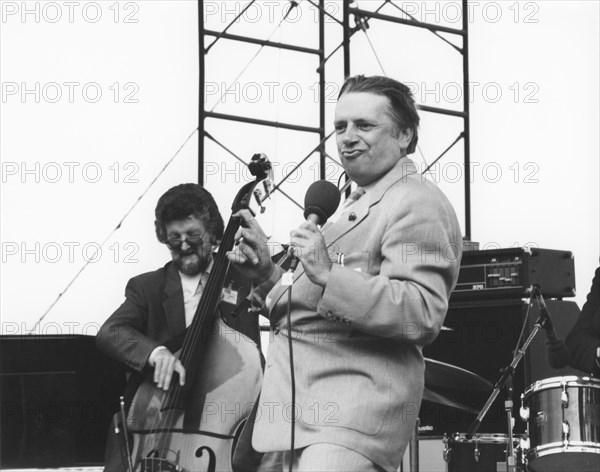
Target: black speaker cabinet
[57,396]
[481,337]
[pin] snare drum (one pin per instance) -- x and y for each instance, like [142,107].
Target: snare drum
[482,453]
[563,424]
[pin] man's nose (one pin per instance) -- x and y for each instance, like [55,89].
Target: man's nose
[349,135]
[185,245]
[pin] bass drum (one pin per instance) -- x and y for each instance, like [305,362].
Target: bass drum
[563,424]
[482,453]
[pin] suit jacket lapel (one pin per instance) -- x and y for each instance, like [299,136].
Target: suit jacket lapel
[348,220]
[173,301]
[360,209]
[375,192]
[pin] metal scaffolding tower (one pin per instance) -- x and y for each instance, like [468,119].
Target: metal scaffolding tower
[361,18]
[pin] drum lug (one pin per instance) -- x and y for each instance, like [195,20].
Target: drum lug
[566,433]
[524,410]
[476,452]
[564,397]
[524,443]
[447,454]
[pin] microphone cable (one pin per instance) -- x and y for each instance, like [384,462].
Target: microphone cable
[292,375]
[321,201]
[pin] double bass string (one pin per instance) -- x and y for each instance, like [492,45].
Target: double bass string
[193,347]
[172,397]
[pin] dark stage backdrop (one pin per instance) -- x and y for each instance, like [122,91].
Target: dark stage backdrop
[58,395]
[481,339]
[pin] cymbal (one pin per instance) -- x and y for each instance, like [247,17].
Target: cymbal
[453,386]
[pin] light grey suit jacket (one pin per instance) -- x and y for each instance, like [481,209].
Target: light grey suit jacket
[357,343]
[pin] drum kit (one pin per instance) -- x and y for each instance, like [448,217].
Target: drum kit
[562,416]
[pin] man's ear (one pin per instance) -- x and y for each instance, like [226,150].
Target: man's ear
[405,137]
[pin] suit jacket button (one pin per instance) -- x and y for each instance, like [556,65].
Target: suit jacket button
[276,330]
[352,216]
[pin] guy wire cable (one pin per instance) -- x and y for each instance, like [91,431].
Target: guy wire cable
[293,4]
[121,221]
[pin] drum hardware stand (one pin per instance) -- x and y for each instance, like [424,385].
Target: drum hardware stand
[511,463]
[506,375]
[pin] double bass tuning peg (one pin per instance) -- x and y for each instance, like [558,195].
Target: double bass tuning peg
[258,196]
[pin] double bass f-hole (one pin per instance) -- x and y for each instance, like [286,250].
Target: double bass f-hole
[156,462]
[191,428]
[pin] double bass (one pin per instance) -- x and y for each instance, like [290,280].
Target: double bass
[196,427]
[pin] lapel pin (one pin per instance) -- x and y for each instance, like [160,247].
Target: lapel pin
[352,216]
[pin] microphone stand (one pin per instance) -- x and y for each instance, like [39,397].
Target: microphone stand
[511,463]
[506,375]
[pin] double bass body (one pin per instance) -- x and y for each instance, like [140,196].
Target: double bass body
[195,429]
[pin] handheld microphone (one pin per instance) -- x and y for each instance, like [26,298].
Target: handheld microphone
[556,351]
[320,202]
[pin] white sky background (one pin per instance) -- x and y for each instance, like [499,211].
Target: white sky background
[73,162]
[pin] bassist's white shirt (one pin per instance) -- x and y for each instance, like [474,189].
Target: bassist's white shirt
[192,287]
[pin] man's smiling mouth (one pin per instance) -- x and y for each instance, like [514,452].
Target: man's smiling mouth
[352,154]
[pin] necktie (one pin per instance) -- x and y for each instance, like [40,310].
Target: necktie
[354,196]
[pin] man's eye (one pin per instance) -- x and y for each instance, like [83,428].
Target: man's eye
[366,126]
[340,129]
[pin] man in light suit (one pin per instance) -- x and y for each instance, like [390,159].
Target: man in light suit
[373,289]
